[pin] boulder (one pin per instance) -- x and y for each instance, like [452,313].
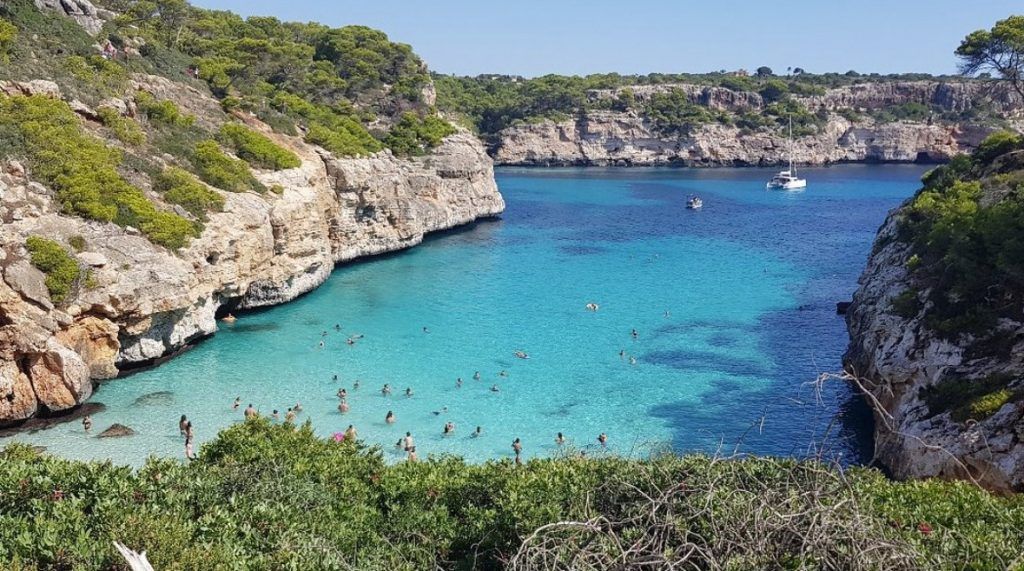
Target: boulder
[95,341]
[28,281]
[93,259]
[17,399]
[116,431]
[60,377]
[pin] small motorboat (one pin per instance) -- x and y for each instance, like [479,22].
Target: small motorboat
[694,203]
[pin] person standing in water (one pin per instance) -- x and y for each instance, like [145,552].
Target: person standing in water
[478,432]
[458,383]
[343,406]
[183,425]
[390,418]
[412,454]
[408,392]
[517,447]
[602,439]
[351,434]
[559,440]
[289,417]
[87,423]
[189,452]
[386,390]
[476,376]
[408,442]
[250,412]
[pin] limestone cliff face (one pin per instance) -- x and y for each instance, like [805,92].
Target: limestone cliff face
[629,139]
[144,302]
[896,359]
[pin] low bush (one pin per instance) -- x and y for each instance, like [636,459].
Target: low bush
[414,135]
[256,149]
[8,38]
[83,171]
[265,496]
[218,169]
[103,75]
[125,129]
[164,111]
[331,127]
[965,399]
[181,188]
[62,271]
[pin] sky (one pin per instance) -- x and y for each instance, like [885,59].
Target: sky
[534,37]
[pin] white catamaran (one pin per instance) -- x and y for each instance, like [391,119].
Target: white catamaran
[787,179]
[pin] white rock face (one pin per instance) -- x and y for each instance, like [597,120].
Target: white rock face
[146,302]
[898,358]
[628,139]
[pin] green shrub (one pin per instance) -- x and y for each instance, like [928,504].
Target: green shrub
[8,38]
[125,129]
[849,114]
[986,405]
[106,76]
[181,188]
[413,135]
[737,83]
[83,171]
[218,169]
[165,111]
[773,90]
[62,271]
[77,243]
[347,139]
[974,399]
[906,304]
[256,149]
[997,144]
[674,113]
[274,497]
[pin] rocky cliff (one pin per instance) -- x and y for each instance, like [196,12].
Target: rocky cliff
[629,138]
[917,379]
[143,301]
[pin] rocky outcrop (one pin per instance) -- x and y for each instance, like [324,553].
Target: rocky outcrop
[896,359]
[143,302]
[628,139]
[83,12]
[607,138]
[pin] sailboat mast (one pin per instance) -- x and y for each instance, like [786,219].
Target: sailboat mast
[791,171]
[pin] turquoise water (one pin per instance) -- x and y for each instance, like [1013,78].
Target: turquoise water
[749,284]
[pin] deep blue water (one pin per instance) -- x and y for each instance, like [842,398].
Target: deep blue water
[749,285]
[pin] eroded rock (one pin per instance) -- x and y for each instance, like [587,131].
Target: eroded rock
[116,431]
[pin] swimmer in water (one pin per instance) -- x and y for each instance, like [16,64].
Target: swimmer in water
[408,441]
[632,360]
[668,313]
[297,407]
[289,417]
[343,406]
[337,327]
[634,334]
[458,383]
[390,418]
[355,385]
[476,376]
[321,344]
[443,410]
[494,388]
[503,374]
[622,354]
[275,416]
[250,412]
[522,355]
[237,403]
[386,390]
[87,423]
[342,393]
[408,391]
[478,432]
[559,440]
[449,427]
[350,341]
[603,439]
[350,433]
[425,330]
[334,378]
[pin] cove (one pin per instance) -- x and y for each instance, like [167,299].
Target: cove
[734,307]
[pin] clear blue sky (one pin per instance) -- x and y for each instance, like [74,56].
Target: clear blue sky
[533,37]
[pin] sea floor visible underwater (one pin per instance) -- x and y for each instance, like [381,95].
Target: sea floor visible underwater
[734,308]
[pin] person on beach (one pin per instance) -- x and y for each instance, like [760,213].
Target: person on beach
[408,392]
[343,406]
[386,390]
[182,425]
[289,417]
[189,452]
[602,439]
[559,440]
[390,418]
[237,403]
[408,441]
[87,423]
[517,447]
[476,376]
[275,416]
[351,434]
[250,412]
[478,432]
[458,383]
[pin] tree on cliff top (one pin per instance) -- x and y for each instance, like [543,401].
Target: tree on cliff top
[1000,49]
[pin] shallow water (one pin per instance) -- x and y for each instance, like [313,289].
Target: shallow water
[749,284]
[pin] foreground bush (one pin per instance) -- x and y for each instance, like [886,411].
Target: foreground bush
[270,497]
